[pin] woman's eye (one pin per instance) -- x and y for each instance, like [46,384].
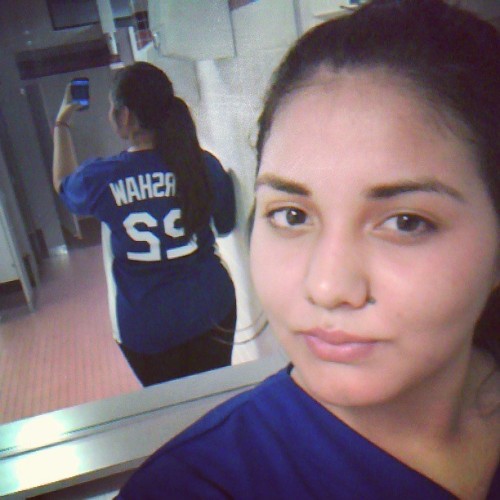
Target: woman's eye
[287,217]
[409,223]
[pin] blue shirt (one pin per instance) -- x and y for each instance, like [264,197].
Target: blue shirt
[169,288]
[276,442]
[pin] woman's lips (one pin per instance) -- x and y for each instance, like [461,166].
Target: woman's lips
[337,346]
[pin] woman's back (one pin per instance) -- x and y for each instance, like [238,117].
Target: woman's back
[161,276]
[162,202]
[137,197]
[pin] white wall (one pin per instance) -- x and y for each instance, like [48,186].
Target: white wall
[226,97]
[231,94]
[91,132]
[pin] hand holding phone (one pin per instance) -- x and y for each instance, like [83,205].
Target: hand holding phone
[80,93]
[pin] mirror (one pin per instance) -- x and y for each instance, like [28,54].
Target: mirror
[225,96]
[57,341]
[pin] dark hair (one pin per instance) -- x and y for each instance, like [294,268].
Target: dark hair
[148,93]
[450,57]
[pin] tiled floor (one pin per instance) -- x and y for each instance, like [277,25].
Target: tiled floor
[63,354]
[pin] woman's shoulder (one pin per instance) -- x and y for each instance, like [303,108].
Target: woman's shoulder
[217,425]
[100,163]
[210,448]
[240,408]
[121,164]
[213,163]
[275,431]
[209,157]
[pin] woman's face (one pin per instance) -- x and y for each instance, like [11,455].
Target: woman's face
[375,244]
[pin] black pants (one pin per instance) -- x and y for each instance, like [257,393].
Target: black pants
[210,350]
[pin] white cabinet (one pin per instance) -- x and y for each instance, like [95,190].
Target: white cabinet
[12,266]
[192,29]
[7,265]
[264,25]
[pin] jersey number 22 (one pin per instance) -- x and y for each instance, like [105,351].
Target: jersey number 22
[154,252]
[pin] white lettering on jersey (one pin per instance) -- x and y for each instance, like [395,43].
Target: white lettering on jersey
[133,225]
[169,223]
[158,184]
[132,189]
[145,186]
[142,187]
[169,184]
[153,253]
[118,190]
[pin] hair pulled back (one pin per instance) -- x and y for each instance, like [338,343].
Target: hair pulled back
[447,54]
[148,93]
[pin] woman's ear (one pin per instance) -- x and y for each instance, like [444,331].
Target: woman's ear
[125,122]
[123,117]
[130,121]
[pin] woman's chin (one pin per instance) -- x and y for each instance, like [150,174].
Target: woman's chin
[331,390]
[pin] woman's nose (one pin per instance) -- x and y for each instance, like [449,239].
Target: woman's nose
[337,273]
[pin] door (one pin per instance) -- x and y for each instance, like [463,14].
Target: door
[44,134]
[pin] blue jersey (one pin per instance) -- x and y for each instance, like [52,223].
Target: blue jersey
[276,442]
[166,288]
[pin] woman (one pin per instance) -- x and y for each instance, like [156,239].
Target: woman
[375,252]
[173,301]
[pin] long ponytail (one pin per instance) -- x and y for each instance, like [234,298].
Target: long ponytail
[177,143]
[148,93]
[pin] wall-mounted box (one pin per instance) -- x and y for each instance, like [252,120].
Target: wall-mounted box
[263,25]
[192,29]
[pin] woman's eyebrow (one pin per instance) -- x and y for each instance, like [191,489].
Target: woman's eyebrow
[381,191]
[281,184]
[411,186]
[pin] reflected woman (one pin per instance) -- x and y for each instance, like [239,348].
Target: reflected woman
[162,201]
[375,252]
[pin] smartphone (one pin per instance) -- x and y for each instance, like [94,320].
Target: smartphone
[80,92]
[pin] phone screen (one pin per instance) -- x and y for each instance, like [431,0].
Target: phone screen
[80,92]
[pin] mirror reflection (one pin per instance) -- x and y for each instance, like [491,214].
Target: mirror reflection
[56,343]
